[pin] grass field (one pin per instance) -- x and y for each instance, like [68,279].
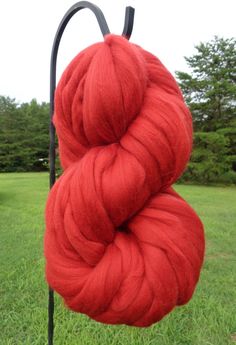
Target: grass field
[209,319]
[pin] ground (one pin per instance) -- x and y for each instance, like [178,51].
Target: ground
[209,319]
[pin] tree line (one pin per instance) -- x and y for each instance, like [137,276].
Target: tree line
[209,90]
[24,137]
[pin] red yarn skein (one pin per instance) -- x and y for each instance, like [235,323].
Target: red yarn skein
[121,245]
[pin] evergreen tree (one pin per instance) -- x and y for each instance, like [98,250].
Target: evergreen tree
[210,88]
[24,137]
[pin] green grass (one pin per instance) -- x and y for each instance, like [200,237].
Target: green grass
[209,319]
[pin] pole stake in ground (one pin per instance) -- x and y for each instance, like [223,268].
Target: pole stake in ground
[127,31]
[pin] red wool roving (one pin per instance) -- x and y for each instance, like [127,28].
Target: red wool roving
[121,245]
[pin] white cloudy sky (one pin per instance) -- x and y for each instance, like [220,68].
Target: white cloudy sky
[167,28]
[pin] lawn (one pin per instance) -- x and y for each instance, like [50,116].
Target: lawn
[209,319]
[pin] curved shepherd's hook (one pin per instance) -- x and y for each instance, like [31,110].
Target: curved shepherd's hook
[127,30]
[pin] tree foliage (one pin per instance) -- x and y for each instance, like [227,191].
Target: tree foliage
[210,92]
[210,89]
[23,135]
[210,161]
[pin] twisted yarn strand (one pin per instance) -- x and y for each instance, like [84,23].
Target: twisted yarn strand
[120,244]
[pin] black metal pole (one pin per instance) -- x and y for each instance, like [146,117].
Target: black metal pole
[127,30]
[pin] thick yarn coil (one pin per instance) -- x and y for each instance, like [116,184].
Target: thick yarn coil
[121,245]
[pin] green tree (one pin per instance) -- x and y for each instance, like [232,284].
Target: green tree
[210,92]
[10,122]
[210,88]
[24,135]
[36,136]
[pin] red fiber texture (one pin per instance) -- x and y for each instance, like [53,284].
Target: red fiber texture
[121,245]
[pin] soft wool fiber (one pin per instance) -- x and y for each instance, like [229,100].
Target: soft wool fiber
[121,245]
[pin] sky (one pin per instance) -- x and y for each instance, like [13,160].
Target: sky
[170,29]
